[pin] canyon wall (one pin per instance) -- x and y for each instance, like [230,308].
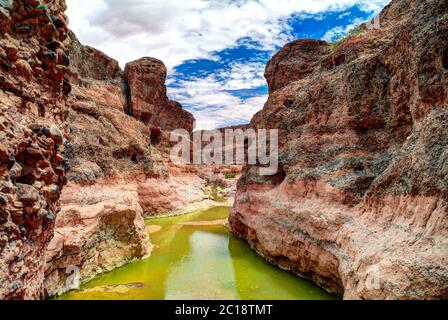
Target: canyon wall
[360,203]
[120,172]
[71,117]
[33,64]
[100,226]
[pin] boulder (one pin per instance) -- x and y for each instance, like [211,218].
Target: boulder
[98,229]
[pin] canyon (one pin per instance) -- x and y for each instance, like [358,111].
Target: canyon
[361,191]
[120,123]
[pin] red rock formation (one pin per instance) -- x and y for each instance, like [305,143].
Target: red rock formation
[119,170]
[90,63]
[99,228]
[105,141]
[295,61]
[100,225]
[148,99]
[33,64]
[360,203]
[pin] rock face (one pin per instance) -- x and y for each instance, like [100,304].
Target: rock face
[119,168]
[360,203]
[100,225]
[33,64]
[295,61]
[104,139]
[148,100]
[90,63]
[107,139]
[100,228]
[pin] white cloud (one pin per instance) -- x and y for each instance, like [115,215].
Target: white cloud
[339,31]
[175,31]
[232,110]
[237,76]
[213,105]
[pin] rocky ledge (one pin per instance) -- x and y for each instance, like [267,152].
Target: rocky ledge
[360,203]
[98,229]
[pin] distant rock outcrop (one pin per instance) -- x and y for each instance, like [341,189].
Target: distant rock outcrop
[360,203]
[148,99]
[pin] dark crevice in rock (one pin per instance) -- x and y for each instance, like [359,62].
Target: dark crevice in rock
[127,94]
[279,177]
[445,58]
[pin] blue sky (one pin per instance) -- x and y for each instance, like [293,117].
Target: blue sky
[215,51]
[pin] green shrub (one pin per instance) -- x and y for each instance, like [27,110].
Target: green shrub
[230,175]
[352,33]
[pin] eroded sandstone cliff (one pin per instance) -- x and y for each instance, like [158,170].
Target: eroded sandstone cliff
[33,64]
[360,203]
[148,99]
[70,114]
[120,171]
[99,227]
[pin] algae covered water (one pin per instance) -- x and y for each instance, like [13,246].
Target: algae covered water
[195,257]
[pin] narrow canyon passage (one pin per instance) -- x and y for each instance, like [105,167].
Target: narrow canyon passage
[357,200]
[195,257]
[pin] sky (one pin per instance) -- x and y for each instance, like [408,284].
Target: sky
[215,50]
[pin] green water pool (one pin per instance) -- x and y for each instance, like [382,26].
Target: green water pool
[198,261]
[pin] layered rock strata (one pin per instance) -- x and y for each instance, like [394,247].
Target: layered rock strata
[99,228]
[148,99]
[100,225]
[33,89]
[360,202]
[120,170]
